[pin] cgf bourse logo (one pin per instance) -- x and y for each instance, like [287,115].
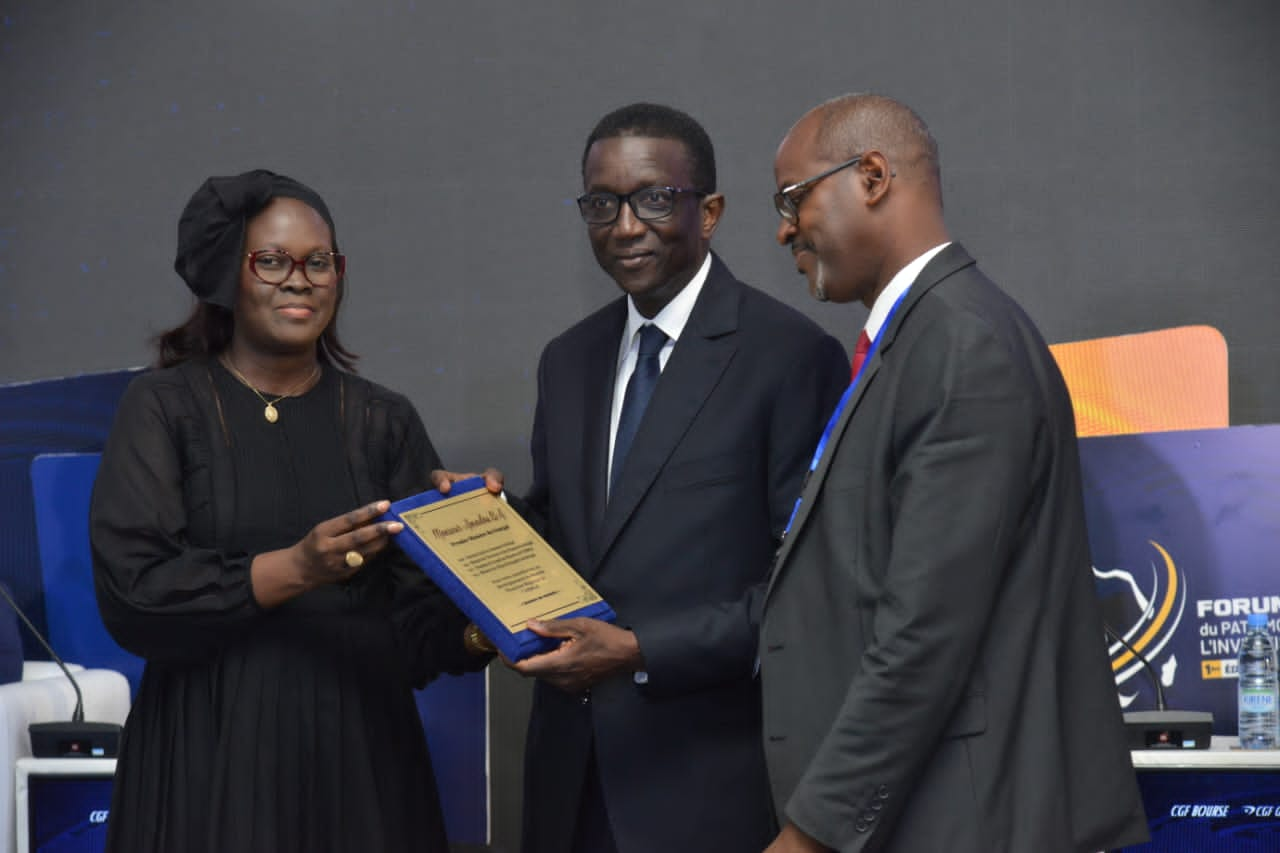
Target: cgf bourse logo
[1145,606]
[98,816]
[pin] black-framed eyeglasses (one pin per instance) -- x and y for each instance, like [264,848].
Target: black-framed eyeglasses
[787,200]
[647,203]
[274,266]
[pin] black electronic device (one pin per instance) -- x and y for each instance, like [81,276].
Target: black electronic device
[1162,728]
[76,738]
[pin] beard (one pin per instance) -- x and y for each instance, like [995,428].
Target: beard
[819,289]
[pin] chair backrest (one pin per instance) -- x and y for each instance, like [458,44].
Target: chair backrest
[1169,379]
[61,485]
[69,414]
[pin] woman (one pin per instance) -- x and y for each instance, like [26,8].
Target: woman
[237,548]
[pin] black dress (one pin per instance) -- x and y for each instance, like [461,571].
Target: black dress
[292,729]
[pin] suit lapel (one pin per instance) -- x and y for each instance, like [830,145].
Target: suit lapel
[704,350]
[598,374]
[946,262]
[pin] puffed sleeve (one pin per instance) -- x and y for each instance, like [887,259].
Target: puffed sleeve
[161,596]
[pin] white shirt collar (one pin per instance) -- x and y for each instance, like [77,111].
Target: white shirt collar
[897,286]
[671,320]
[674,315]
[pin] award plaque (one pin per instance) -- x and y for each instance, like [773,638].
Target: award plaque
[493,565]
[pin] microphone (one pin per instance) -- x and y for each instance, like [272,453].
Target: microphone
[1141,658]
[1162,728]
[67,740]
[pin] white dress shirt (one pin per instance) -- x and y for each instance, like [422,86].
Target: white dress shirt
[897,286]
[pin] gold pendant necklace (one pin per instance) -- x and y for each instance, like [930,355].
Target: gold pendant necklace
[270,412]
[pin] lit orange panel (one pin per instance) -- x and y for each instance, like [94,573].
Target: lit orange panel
[1149,382]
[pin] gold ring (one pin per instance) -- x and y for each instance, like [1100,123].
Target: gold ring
[355,559]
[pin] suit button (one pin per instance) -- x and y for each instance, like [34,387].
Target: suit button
[883,792]
[861,825]
[586,697]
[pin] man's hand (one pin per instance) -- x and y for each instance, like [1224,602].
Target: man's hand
[792,840]
[442,481]
[591,650]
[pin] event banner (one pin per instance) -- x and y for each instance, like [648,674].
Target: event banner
[1184,529]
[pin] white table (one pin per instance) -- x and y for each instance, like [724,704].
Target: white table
[1223,752]
[44,695]
[27,768]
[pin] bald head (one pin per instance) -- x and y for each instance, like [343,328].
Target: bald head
[851,124]
[859,195]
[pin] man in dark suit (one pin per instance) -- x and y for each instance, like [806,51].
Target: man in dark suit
[645,735]
[933,659]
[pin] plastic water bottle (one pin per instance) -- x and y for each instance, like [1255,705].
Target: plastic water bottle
[1259,703]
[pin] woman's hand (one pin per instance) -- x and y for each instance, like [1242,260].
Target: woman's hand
[336,549]
[331,552]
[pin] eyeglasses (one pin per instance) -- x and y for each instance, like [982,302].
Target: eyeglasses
[274,266]
[647,203]
[787,200]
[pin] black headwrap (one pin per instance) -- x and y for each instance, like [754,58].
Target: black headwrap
[211,229]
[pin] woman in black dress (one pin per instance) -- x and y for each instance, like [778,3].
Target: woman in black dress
[237,548]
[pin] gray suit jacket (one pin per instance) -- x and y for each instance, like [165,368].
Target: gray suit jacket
[682,552]
[933,660]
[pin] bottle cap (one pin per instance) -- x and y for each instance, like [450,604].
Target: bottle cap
[1257,620]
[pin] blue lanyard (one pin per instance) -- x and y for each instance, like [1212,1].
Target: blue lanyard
[844,399]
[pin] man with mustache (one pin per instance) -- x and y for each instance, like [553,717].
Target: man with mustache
[932,655]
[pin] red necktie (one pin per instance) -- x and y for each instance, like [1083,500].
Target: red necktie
[860,354]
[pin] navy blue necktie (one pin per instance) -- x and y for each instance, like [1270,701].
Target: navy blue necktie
[639,389]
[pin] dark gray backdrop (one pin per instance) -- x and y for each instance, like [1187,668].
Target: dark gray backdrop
[1113,164]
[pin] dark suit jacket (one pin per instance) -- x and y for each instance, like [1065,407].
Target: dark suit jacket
[682,552]
[933,659]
